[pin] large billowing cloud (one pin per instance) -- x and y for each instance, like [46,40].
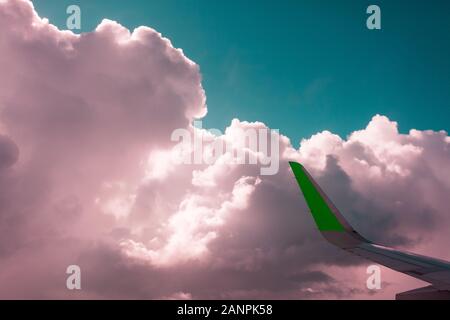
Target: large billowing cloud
[88,176]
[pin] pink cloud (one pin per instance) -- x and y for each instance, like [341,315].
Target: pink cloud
[87,177]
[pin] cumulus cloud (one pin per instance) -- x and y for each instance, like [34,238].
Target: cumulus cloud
[88,177]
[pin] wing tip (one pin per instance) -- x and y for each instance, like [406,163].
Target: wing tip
[295,164]
[329,220]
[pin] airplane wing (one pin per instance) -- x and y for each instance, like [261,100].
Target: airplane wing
[333,226]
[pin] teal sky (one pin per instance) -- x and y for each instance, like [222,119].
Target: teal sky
[301,66]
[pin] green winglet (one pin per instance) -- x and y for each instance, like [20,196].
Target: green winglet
[322,213]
